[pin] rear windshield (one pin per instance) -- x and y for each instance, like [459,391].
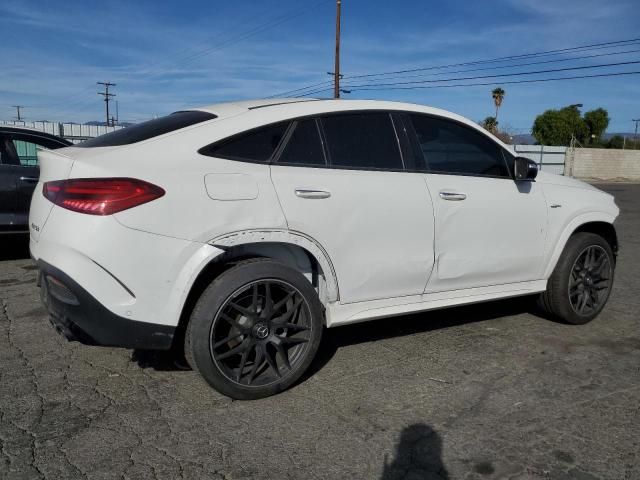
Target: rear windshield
[150,129]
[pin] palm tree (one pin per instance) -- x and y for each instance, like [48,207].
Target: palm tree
[490,124]
[498,96]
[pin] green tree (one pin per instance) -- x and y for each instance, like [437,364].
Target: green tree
[597,122]
[498,96]
[617,141]
[490,124]
[557,127]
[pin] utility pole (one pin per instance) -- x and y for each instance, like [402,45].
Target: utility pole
[18,107]
[635,136]
[107,96]
[336,70]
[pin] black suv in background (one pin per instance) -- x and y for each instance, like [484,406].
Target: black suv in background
[19,173]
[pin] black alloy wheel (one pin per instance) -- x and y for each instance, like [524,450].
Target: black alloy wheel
[582,280]
[260,333]
[590,280]
[255,329]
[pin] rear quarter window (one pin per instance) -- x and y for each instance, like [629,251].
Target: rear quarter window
[150,129]
[256,145]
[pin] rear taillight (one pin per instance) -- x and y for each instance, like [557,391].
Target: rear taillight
[100,196]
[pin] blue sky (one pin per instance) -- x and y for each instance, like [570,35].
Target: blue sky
[166,56]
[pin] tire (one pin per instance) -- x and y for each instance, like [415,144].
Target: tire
[255,329]
[581,283]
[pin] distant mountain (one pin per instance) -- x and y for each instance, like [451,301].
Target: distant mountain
[523,139]
[102,124]
[607,136]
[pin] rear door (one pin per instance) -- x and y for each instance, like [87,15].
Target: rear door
[9,172]
[341,180]
[489,229]
[23,170]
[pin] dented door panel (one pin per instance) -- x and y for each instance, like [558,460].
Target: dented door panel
[488,231]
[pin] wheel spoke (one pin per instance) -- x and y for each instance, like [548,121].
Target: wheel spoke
[601,266]
[279,305]
[233,322]
[243,362]
[602,284]
[244,311]
[574,281]
[285,317]
[227,339]
[267,311]
[593,296]
[283,354]
[293,340]
[254,298]
[234,351]
[257,362]
[583,301]
[293,326]
[591,256]
[272,363]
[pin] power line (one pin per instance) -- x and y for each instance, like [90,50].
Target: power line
[289,92]
[596,46]
[477,77]
[415,87]
[561,60]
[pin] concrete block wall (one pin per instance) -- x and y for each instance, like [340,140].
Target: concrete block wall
[604,164]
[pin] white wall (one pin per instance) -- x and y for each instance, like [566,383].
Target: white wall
[604,164]
[549,159]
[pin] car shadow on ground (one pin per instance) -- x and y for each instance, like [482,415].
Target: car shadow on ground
[14,246]
[371,331]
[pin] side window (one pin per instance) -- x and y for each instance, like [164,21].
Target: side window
[362,140]
[8,154]
[254,146]
[26,152]
[449,147]
[304,146]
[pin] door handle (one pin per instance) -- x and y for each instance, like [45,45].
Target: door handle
[453,196]
[29,179]
[305,193]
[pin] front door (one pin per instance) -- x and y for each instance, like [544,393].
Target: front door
[490,230]
[374,220]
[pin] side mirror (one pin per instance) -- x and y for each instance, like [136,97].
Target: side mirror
[525,169]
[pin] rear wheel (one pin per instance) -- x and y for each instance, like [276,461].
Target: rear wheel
[255,329]
[581,282]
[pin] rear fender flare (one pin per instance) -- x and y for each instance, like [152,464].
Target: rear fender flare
[287,237]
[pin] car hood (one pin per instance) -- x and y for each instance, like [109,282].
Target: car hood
[554,179]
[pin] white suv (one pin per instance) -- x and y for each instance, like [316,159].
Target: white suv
[239,231]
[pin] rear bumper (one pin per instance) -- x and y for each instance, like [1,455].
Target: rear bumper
[78,316]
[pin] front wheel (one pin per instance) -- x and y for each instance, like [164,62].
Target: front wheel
[255,329]
[581,283]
